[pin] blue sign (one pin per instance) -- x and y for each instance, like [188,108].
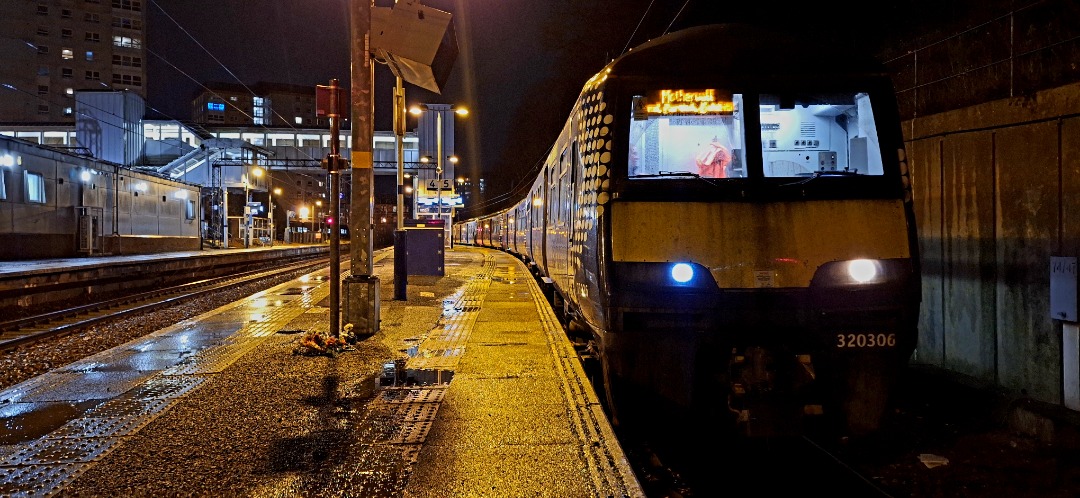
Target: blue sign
[214,106]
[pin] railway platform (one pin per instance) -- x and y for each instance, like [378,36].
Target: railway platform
[26,283]
[469,388]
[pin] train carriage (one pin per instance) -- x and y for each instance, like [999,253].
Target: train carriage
[727,216]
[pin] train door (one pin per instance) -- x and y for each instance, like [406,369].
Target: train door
[565,186]
[543,221]
[571,207]
[552,247]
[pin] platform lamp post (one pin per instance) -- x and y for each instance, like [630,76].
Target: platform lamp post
[257,172]
[317,216]
[416,110]
[273,228]
[401,251]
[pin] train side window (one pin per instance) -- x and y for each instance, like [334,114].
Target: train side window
[3,186]
[190,212]
[35,187]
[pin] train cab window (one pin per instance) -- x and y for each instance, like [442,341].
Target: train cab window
[35,187]
[804,135]
[677,132]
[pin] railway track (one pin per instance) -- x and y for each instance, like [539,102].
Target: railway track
[725,467]
[30,329]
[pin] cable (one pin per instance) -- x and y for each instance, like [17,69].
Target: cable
[647,9]
[231,73]
[676,16]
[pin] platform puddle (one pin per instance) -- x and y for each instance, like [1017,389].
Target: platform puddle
[22,422]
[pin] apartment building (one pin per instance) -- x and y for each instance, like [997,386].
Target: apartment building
[53,48]
[262,104]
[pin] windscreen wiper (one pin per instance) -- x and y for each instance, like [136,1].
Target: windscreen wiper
[669,174]
[824,172]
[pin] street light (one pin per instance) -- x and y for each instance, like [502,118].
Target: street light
[439,158]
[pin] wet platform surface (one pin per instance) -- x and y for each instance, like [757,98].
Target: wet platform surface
[469,388]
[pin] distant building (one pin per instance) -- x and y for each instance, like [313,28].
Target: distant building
[262,104]
[54,48]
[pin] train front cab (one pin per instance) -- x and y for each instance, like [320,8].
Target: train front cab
[774,286]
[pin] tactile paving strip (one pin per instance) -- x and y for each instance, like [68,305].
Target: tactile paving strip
[37,480]
[60,450]
[215,359]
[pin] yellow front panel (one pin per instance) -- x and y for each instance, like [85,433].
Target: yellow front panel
[748,245]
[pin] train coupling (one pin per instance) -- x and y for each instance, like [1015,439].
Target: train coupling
[768,393]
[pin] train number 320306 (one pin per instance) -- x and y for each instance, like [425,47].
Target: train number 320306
[865,340]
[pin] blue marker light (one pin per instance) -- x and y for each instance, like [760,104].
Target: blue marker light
[682,272]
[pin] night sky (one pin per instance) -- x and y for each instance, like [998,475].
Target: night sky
[520,64]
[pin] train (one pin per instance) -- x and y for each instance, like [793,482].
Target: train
[59,203]
[726,226]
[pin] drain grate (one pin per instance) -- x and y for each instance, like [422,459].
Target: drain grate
[412,432]
[420,412]
[426,394]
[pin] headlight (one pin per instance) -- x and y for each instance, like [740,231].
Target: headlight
[669,275]
[861,272]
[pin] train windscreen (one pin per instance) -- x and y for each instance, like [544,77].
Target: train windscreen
[701,132]
[803,135]
[686,131]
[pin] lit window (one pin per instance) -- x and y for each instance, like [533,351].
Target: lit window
[68,111]
[299,120]
[35,187]
[3,186]
[67,54]
[69,91]
[89,55]
[127,42]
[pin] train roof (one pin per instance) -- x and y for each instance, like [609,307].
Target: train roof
[746,50]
